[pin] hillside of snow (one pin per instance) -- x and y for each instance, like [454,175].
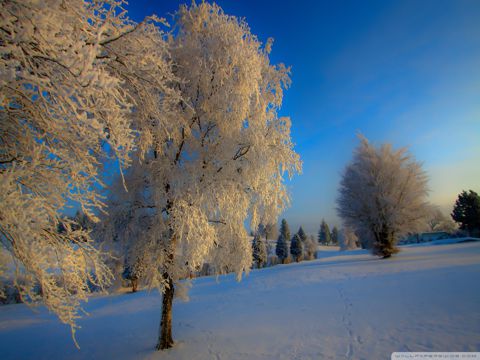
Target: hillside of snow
[347,305]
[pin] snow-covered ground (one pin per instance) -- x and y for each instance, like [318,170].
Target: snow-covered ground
[344,305]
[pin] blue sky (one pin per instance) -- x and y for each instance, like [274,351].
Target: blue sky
[404,72]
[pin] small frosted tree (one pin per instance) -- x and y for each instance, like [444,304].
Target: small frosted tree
[347,239]
[217,159]
[74,74]
[383,194]
[324,234]
[134,271]
[310,248]
[259,250]
[271,231]
[296,248]
[466,212]
[261,230]
[438,221]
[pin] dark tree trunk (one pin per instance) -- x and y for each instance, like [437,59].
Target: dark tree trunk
[134,285]
[165,340]
[384,244]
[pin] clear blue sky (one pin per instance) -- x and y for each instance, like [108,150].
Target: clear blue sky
[404,72]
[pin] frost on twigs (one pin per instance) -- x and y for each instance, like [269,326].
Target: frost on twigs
[73,75]
[217,159]
[382,196]
[347,239]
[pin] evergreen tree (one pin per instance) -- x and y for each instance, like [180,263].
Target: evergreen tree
[334,235]
[296,248]
[466,212]
[282,248]
[259,251]
[324,234]
[302,235]
[285,230]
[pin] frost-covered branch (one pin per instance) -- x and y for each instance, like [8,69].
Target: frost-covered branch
[193,160]
[382,196]
[74,76]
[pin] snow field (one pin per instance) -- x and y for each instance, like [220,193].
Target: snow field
[347,305]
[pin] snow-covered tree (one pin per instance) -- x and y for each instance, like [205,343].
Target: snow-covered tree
[324,234]
[261,230]
[466,212]
[296,248]
[383,194]
[301,234]
[285,230]
[334,236]
[281,248]
[271,231]
[438,221]
[134,270]
[259,250]
[73,75]
[217,161]
[123,230]
[310,248]
[347,239]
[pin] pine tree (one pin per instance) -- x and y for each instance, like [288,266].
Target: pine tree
[334,235]
[282,248]
[285,230]
[466,212]
[296,248]
[259,251]
[302,235]
[324,234]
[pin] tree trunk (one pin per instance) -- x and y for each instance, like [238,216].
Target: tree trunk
[384,244]
[165,340]
[134,285]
